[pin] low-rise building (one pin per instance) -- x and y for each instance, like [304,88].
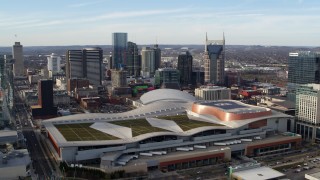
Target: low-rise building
[14,164]
[212,93]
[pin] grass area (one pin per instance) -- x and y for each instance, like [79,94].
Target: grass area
[138,126]
[186,124]
[82,132]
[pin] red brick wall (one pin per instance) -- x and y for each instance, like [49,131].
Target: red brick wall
[258,124]
[55,145]
[250,148]
[166,163]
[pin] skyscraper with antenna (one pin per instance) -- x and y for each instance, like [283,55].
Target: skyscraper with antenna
[214,57]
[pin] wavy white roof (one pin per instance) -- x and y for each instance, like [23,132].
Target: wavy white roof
[166,95]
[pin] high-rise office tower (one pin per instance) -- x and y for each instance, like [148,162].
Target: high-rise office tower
[17,52]
[119,50]
[148,62]
[214,61]
[133,60]
[54,63]
[45,107]
[167,78]
[308,111]
[185,68]
[157,54]
[304,67]
[85,63]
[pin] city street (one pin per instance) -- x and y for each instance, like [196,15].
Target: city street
[41,159]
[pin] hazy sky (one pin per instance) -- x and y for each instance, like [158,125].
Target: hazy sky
[91,22]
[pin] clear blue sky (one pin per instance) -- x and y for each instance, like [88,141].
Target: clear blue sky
[91,22]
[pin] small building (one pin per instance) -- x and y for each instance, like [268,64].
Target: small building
[61,83]
[61,99]
[33,79]
[119,78]
[8,136]
[90,91]
[248,93]
[14,164]
[90,102]
[271,90]
[76,83]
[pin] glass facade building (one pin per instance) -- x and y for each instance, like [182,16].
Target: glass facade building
[133,60]
[119,50]
[167,78]
[214,61]
[304,67]
[185,68]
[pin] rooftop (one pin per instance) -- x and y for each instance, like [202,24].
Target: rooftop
[138,126]
[122,129]
[15,158]
[225,105]
[210,88]
[82,132]
[186,124]
[260,173]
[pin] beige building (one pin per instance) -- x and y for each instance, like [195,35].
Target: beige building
[212,93]
[17,52]
[119,78]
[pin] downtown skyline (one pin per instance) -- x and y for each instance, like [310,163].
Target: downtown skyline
[245,22]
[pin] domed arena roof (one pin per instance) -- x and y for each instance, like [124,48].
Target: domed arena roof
[166,95]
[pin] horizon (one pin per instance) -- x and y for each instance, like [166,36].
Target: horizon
[166,45]
[300,46]
[256,22]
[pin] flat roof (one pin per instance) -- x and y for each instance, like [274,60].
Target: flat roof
[226,105]
[17,157]
[5,133]
[313,176]
[260,173]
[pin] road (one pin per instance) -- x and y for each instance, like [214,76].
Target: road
[41,160]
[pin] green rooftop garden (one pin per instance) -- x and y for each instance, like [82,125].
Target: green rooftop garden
[186,124]
[138,126]
[82,132]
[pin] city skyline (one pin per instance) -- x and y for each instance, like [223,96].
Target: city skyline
[245,22]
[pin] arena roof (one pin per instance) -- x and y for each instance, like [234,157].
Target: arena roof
[230,106]
[226,105]
[166,95]
[124,131]
[158,111]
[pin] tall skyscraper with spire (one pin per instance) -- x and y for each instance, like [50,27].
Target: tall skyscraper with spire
[214,61]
